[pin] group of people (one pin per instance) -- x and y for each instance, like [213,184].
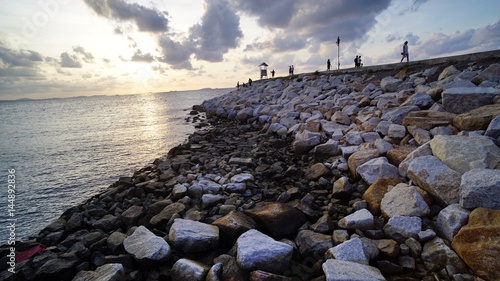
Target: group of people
[357,62]
[244,85]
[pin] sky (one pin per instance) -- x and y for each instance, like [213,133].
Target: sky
[65,48]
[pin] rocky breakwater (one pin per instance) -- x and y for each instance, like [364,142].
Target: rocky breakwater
[389,175]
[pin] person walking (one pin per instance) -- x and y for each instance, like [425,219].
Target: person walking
[405,52]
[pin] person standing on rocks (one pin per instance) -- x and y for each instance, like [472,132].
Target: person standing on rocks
[272,73]
[328,64]
[356,61]
[405,52]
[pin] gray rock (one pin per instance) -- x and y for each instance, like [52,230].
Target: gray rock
[235,187]
[192,236]
[383,146]
[396,131]
[211,200]
[463,153]
[107,272]
[390,84]
[361,219]
[401,228]
[464,99]
[57,269]
[115,240]
[422,100]
[215,273]
[338,270]
[436,256]
[108,223]
[189,270]
[179,191]
[493,129]
[167,213]
[404,200]
[396,115]
[351,250]
[242,178]
[383,127]
[312,244]
[447,72]
[132,215]
[278,129]
[377,168]
[480,188]
[330,148]
[257,251]
[145,245]
[450,220]
[353,138]
[435,177]
[305,141]
[420,135]
[423,150]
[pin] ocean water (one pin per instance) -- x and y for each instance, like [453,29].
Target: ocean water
[60,152]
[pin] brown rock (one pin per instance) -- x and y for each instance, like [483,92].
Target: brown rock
[374,194]
[397,155]
[477,119]
[317,171]
[313,126]
[360,157]
[478,243]
[277,219]
[427,120]
[388,247]
[232,225]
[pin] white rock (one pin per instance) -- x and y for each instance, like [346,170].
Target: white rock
[192,236]
[351,250]
[361,219]
[450,220]
[377,168]
[145,245]
[404,200]
[338,270]
[480,188]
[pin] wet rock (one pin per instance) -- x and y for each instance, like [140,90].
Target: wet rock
[233,225]
[351,250]
[107,272]
[361,219]
[143,245]
[257,251]
[277,219]
[312,244]
[189,270]
[192,236]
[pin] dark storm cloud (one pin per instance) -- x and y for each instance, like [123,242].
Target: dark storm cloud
[69,61]
[146,19]
[303,23]
[218,31]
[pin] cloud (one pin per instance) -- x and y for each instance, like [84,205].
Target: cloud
[140,57]
[177,54]
[86,56]
[467,41]
[218,31]
[270,14]
[12,58]
[69,61]
[146,19]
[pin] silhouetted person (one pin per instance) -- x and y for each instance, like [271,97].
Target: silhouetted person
[360,64]
[238,85]
[356,64]
[249,82]
[405,52]
[272,73]
[328,64]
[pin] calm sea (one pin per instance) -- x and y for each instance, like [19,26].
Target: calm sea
[63,151]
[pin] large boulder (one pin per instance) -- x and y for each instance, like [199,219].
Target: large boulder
[257,251]
[478,243]
[437,255]
[477,119]
[144,245]
[361,219]
[463,153]
[193,236]
[450,220]
[305,141]
[480,188]
[428,119]
[390,84]
[189,270]
[107,272]
[232,225]
[277,219]
[376,192]
[313,244]
[401,228]
[433,176]
[463,99]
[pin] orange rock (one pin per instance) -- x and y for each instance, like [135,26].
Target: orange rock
[478,243]
[374,194]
